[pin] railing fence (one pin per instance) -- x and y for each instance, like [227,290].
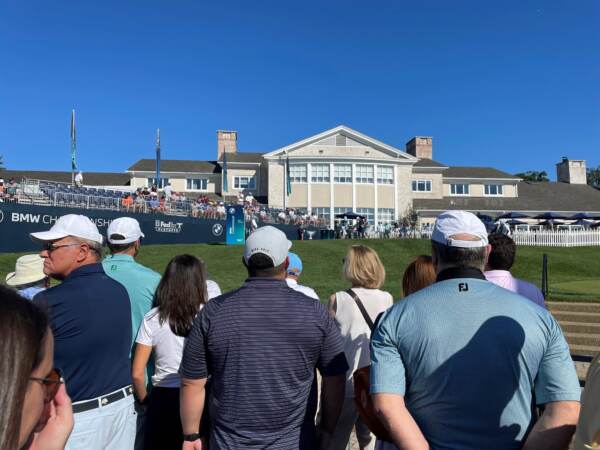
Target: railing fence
[561,238]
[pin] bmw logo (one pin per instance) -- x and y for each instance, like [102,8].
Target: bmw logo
[1,216]
[217,229]
[231,210]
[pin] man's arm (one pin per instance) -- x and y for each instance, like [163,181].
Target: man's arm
[405,432]
[191,406]
[554,429]
[332,398]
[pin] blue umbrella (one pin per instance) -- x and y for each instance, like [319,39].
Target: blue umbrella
[515,222]
[550,216]
[583,223]
[513,215]
[580,216]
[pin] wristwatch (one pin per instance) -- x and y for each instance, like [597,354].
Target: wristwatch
[191,437]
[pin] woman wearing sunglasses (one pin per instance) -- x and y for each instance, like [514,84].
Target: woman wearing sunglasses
[36,411]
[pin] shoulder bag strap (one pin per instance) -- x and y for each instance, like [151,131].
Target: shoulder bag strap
[361,307]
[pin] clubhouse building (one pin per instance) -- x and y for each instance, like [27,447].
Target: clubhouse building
[342,170]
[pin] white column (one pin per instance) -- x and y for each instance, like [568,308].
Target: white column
[396,212]
[375,219]
[331,202]
[353,187]
[308,189]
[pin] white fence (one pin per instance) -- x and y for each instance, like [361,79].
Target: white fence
[562,238]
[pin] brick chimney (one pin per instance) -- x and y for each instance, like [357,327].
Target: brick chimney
[226,142]
[420,147]
[571,171]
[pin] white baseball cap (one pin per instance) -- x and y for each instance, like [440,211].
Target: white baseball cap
[28,269]
[70,225]
[127,227]
[269,241]
[452,223]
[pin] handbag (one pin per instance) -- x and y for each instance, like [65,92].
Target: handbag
[362,384]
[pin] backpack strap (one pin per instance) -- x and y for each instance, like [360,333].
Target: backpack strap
[361,307]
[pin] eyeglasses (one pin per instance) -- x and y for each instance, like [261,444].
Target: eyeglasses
[50,247]
[52,383]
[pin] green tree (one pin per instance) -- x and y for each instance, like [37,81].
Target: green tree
[593,177]
[533,175]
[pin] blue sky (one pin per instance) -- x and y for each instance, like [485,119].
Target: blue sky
[511,84]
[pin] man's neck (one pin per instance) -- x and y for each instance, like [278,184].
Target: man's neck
[72,269]
[129,252]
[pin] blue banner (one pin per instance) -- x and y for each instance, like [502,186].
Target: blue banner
[236,225]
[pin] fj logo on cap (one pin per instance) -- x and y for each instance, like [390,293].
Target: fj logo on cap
[463,287]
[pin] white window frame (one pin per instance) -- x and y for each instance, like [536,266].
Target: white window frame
[337,178]
[298,173]
[319,173]
[488,188]
[190,181]
[466,189]
[152,180]
[323,212]
[389,170]
[341,210]
[384,213]
[365,174]
[250,182]
[368,213]
[427,184]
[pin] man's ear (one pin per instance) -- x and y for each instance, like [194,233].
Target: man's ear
[488,250]
[287,263]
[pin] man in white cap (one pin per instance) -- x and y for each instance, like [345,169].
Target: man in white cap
[261,345]
[28,278]
[460,363]
[90,317]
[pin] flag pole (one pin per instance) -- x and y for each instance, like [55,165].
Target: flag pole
[73,147]
[158,158]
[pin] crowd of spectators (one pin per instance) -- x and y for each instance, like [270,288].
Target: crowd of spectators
[461,362]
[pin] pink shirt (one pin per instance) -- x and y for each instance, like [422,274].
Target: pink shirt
[503,278]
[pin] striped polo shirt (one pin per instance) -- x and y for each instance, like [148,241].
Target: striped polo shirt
[261,344]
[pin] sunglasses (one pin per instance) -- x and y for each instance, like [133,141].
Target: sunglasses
[50,247]
[51,383]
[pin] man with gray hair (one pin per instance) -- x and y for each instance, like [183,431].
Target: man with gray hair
[458,364]
[90,317]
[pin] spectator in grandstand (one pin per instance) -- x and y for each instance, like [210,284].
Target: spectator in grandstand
[36,410]
[153,204]
[452,364]
[168,190]
[11,190]
[28,278]
[499,263]
[140,203]
[79,179]
[180,295]
[363,269]
[588,428]
[2,188]
[260,345]
[127,202]
[90,315]
[419,274]
[145,192]
[293,272]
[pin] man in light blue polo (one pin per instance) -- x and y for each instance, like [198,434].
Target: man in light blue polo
[454,365]
[124,240]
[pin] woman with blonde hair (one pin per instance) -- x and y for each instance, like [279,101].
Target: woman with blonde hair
[351,309]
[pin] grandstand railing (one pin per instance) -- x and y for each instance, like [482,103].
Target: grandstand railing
[559,238]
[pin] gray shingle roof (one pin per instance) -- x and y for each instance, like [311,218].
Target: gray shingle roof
[476,172]
[176,165]
[89,178]
[537,197]
[244,157]
[426,163]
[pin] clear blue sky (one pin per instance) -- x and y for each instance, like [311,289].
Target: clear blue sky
[511,84]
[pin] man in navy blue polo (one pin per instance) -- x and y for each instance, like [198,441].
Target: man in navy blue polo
[261,345]
[90,317]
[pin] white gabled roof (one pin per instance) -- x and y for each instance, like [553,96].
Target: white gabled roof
[346,131]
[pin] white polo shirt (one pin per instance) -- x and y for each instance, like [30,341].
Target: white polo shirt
[300,288]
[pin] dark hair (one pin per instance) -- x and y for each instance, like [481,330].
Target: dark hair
[181,292]
[117,248]
[459,257]
[23,327]
[419,274]
[502,255]
[261,265]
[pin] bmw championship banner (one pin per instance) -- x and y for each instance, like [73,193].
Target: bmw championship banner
[236,226]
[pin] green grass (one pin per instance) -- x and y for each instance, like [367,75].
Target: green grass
[574,273]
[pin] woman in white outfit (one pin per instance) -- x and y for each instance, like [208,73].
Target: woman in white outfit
[364,270]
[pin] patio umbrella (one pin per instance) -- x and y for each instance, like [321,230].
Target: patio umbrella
[485,218]
[348,215]
[513,215]
[551,222]
[580,216]
[515,222]
[550,216]
[583,223]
